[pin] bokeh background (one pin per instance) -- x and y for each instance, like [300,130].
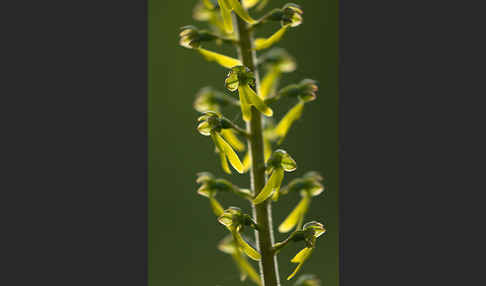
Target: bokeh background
[183,232]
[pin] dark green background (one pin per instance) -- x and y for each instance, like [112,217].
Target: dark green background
[183,233]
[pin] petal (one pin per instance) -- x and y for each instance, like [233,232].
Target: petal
[229,152]
[255,100]
[273,184]
[263,43]
[288,163]
[208,4]
[292,115]
[269,82]
[236,5]
[245,106]
[293,218]
[250,3]
[246,268]
[247,249]
[204,128]
[216,206]
[246,162]
[232,139]
[267,149]
[226,15]
[300,258]
[223,60]
[222,157]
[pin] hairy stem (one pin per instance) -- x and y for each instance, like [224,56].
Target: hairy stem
[262,212]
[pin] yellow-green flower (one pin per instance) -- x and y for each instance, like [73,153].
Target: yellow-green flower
[308,280]
[279,162]
[308,186]
[276,62]
[241,78]
[211,124]
[305,91]
[230,246]
[311,231]
[250,3]
[191,37]
[208,99]
[289,16]
[235,220]
[211,186]
[226,6]
[207,11]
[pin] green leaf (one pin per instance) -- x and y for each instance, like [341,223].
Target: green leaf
[232,139]
[236,5]
[247,249]
[269,82]
[286,122]
[223,60]
[225,148]
[254,99]
[226,15]
[264,43]
[295,216]
[272,185]
[300,258]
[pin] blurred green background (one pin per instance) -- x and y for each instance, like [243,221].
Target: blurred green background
[183,232]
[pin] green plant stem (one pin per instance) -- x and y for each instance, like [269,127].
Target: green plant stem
[262,212]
